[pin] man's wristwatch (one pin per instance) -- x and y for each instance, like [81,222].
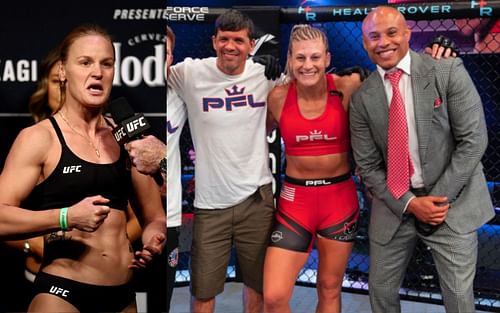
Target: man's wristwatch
[163,165]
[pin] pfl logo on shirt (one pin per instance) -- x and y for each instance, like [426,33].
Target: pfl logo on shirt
[236,97]
[72,169]
[314,136]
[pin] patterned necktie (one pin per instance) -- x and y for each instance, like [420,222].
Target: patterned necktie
[399,165]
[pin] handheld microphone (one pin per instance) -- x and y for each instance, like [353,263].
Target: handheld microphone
[130,126]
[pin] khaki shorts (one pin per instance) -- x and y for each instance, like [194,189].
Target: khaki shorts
[247,226]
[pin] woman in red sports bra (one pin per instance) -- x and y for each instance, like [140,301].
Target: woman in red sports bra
[318,201]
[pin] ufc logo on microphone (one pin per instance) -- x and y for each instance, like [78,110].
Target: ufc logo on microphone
[119,134]
[135,124]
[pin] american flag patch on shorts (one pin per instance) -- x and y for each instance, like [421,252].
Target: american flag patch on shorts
[288,193]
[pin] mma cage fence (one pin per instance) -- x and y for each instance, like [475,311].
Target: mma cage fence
[473,25]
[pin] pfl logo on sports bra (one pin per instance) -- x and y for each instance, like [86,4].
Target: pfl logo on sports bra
[314,136]
[235,98]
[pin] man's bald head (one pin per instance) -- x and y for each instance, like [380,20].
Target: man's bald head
[383,11]
[386,36]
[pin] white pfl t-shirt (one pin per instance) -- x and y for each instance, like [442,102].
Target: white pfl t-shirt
[227,118]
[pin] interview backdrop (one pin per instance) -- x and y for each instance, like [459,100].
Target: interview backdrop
[29,29]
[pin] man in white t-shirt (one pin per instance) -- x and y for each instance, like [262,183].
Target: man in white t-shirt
[226,99]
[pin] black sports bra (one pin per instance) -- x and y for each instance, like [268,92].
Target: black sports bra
[74,179]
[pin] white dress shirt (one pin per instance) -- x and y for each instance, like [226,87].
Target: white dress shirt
[407,94]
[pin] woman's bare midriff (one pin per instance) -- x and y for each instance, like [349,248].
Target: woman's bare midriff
[99,258]
[323,166]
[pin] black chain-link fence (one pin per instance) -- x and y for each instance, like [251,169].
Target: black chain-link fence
[478,40]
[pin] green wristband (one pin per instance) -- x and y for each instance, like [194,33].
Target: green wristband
[63,218]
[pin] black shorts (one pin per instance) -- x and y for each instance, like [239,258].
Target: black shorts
[86,297]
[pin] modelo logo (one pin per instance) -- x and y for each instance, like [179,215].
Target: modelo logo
[130,71]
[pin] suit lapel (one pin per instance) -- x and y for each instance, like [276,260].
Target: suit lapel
[423,84]
[377,107]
